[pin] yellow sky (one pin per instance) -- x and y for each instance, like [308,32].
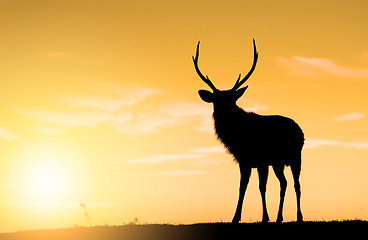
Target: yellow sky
[99,106]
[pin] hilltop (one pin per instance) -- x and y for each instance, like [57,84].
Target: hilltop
[349,228]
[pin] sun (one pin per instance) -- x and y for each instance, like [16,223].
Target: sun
[47,172]
[47,180]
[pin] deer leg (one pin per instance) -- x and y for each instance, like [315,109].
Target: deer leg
[296,173]
[244,179]
[263,175]
[279,171]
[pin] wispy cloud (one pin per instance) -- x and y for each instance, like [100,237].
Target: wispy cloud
[126,97]
[7,135]
[214,149]
[194,156]
[164,116]
[206,125]
[317,67]
[48,130]
[208,153]
[315,143]
[74,119]
[163,158]
[350,117]
[173,172]
[186,109]
[181,172]
[124,121]
[91,111]
[193,153]
[65,204]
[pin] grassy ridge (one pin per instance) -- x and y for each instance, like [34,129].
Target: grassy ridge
[317,230]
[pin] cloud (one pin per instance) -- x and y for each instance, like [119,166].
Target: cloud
[163,158]
[206,125]
[168,115]
[65,204]
[174,172]
[197,156]
[180,172]
[131,96]
[145,123]
[214,149]
[91,111]
[350,117]
[48,130]
[193,153]
[315,143]
[101,103]
[124,121]
[318,67]
[7,135]
[186,109]
[75,119]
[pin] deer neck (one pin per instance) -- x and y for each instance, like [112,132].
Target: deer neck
[226,113]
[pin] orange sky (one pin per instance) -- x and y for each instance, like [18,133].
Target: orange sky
[99,106]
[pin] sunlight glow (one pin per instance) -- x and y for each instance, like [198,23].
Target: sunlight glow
[47,173]
[47,181]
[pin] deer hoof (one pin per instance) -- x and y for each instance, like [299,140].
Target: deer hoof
[235,219]
[300,218]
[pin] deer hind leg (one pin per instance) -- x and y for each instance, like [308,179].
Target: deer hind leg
[263,175]
[295,169]
[279,172]
[244,179]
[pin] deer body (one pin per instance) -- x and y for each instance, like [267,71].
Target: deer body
[255,141]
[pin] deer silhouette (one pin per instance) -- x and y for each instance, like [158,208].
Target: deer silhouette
[255,141]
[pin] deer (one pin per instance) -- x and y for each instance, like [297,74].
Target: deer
[255,141]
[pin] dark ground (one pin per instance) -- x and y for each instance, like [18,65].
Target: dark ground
[351,229]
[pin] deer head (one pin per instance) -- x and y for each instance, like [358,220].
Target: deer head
[223,98]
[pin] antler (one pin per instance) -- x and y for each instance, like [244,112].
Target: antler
[205,79]
[241,82]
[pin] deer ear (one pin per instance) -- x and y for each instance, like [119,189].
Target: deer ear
[240,92]
[206,96]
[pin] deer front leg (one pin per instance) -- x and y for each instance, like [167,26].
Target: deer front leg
[244,179]
[279,171]
[263,175]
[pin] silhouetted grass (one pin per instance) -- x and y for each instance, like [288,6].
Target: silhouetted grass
[333,229]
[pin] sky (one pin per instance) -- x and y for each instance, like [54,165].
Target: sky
[101,122]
